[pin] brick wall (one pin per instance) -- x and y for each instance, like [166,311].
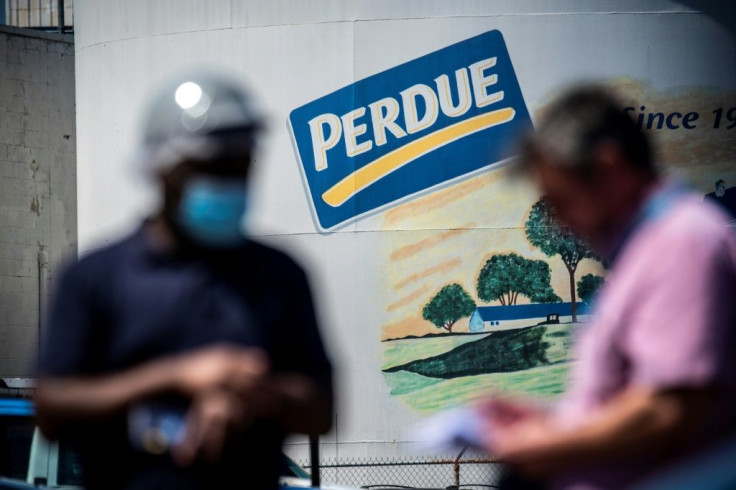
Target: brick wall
[38,210]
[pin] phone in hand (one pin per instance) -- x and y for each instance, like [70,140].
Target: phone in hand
[155,428]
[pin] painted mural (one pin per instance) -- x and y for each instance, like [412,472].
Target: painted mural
[482,308]
[479,289]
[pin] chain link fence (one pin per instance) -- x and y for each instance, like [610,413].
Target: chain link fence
[455,473]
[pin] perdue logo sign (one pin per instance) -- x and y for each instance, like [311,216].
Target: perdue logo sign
[409,129]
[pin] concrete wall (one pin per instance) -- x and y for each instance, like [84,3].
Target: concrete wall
[37,182]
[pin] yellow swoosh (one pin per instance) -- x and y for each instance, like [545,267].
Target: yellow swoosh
[390,162]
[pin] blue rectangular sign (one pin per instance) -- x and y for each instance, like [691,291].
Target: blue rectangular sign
[408,129]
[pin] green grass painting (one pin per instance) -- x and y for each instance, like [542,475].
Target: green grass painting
[546,382]
[429,394]
[397,352]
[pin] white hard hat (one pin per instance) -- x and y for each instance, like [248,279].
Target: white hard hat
[198,116]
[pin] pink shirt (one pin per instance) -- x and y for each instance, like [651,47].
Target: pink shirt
[665,318]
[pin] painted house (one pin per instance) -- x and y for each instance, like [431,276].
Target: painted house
[486,318]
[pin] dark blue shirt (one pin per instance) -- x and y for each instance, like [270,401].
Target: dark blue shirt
[128,304]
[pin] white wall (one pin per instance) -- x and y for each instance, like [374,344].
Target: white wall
[291,52]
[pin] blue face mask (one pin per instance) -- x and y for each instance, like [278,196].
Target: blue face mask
[212,209]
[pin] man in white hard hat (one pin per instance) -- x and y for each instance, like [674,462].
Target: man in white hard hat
[181,356]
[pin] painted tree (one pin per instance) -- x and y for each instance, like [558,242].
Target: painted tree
[537,283]
[448,306]
[588,287]
[543,231]
[505,276]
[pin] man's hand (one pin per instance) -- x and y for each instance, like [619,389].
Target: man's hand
[294,400]
[237,369]
[514,431]
[64,401]
[636,423]
[502,412]
[212,418]
[524,444]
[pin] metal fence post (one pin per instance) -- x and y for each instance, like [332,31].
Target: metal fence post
[314,458]
[456,467]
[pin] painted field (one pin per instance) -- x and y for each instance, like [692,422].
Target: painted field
[560,339]
[429,394]
[397,352]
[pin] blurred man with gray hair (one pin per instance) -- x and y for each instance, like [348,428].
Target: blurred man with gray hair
[655,374]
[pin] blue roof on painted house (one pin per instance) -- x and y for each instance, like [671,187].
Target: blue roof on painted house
[535,310]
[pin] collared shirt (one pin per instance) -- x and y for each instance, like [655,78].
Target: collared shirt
[127,304]
[664,319]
